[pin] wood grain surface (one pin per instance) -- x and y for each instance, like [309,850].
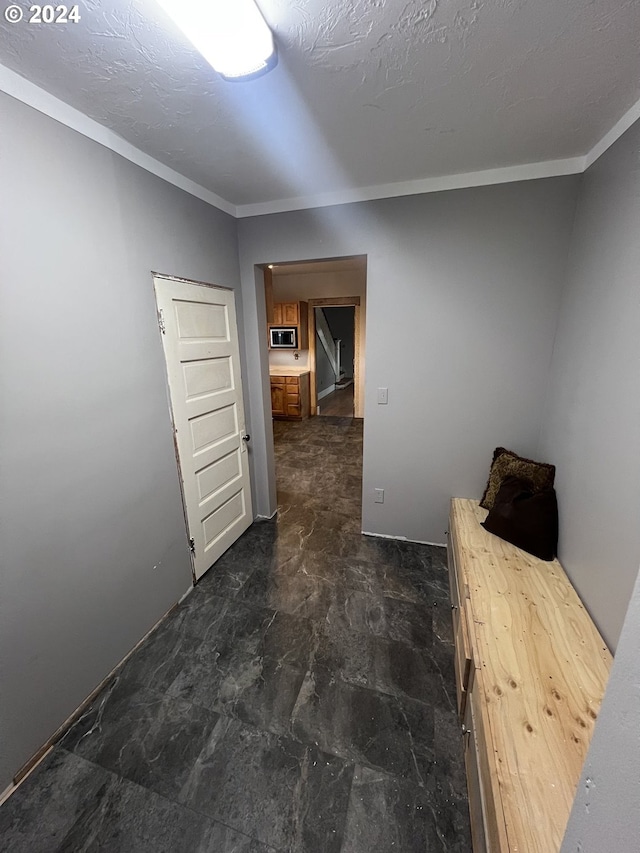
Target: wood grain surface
[541,671]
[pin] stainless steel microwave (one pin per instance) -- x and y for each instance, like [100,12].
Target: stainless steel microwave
[283,337]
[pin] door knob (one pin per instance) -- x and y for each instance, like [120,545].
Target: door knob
[246,437]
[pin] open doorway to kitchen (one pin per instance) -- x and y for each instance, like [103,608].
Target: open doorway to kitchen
[316,319]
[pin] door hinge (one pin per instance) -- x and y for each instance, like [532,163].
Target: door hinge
[192,545]
[161,321]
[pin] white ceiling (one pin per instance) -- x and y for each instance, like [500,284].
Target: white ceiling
[366,92]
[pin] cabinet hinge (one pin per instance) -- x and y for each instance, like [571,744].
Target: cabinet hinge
[192,545]
[161,322]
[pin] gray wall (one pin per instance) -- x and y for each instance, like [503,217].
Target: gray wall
[93,542]
[592,422]
[605,814]
[462,299]
[341,324]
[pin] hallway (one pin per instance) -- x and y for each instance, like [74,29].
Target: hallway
[338,404]
[300,699]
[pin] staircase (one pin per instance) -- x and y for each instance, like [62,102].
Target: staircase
[330,346]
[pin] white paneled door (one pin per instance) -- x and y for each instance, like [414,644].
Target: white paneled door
[200,340]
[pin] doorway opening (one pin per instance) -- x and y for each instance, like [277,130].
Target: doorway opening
[335,334]
[311,335]
[316,331]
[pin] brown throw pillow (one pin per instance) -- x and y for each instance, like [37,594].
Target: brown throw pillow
[525,518]
[506,463]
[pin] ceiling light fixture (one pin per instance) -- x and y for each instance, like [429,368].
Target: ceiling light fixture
[232,35]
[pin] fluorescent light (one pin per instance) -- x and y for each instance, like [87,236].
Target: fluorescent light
[232,35]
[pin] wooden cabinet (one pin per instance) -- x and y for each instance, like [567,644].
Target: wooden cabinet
[290,397]
[278,407]
[463,662]
[477,797]
[531,669]
[292,314]
[286,314]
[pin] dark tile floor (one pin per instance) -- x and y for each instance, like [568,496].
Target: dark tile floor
[300,699]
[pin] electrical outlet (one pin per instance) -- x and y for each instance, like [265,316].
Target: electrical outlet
[383,396]
[379,496]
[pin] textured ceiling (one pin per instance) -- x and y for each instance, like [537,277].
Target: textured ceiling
[366,92]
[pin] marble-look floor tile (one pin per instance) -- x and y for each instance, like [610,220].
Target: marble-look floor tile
[68,805]
[384,665]
[310,482]
[258,691]
[302,529]
[306,565]
[160,658]
[252,670]
[347,507]
[144,736]
[389,814]
[365,726]
[240,628]
[291,796]
[451,819]
[391,618]
[235,727]
[297,594]
[449,754]
[200,615]
[252,550]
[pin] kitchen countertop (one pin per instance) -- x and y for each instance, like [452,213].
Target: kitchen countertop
[283,370]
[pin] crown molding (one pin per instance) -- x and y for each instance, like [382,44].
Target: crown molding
[621,126]
[486,177]
[23,90]
[33,96]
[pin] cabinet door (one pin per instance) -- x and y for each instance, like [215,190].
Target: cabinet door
[304,396]
[474,784]
[278,399]
[277,314]
[293,397]
[463,662]
[293,406]
[290,314]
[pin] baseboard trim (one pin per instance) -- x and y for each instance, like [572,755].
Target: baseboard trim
[404,539]
[266,517]
[29,766]
[9,790]
[182,597]
[326,392]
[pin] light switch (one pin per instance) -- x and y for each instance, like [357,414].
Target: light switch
[383,396]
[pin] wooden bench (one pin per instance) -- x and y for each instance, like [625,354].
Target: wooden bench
[531,670]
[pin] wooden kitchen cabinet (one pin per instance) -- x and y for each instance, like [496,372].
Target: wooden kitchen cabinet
[286,314]
[278,407]
[292,314]
[290,397]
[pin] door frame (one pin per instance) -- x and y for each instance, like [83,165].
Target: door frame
[180,279]
[335,302]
